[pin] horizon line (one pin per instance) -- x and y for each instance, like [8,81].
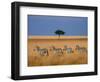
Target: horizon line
[56,37]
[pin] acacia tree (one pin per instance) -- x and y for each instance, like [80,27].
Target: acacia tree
[59,32]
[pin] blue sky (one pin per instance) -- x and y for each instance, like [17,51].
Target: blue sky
[47,25]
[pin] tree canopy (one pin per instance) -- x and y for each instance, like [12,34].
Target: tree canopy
[59,32]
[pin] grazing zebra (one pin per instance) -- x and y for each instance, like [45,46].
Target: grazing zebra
[42,51]
[81,49]
[68,50]
[57,51]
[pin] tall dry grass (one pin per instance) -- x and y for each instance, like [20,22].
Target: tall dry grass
[57,60]
[34,59]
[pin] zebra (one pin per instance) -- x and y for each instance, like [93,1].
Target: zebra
[57,51]
[81,49]
[68,50]
[42,51]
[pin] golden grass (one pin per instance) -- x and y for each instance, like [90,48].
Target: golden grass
[56,37]
[34,59]
[57,60]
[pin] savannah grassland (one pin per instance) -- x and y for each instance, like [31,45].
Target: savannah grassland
[34,59]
